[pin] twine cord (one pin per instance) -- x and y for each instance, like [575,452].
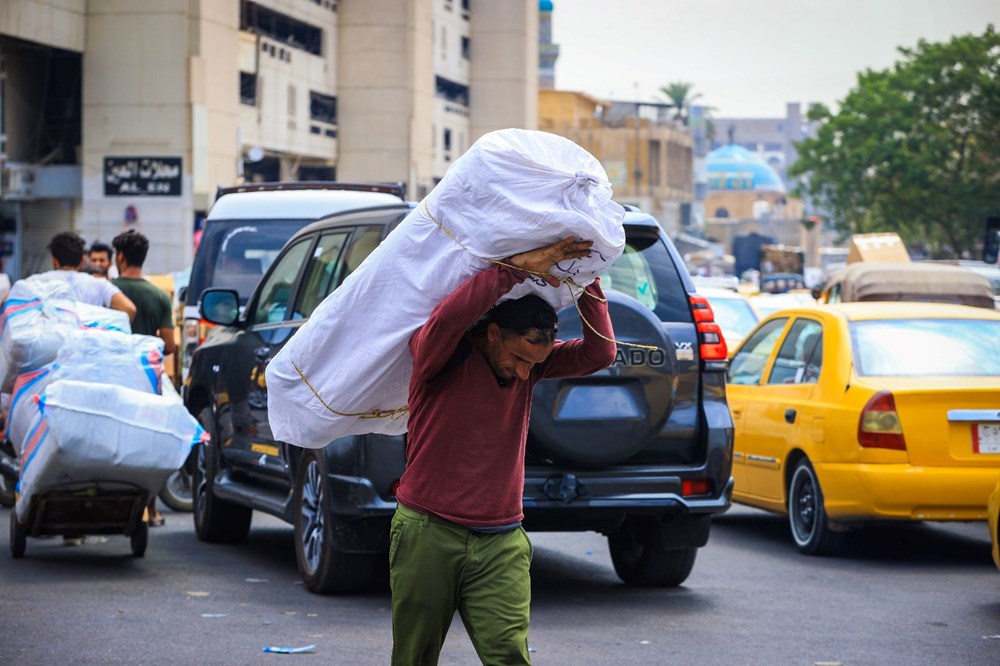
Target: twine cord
[400,412]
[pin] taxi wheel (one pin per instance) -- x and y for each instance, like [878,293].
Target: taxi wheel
[807,515]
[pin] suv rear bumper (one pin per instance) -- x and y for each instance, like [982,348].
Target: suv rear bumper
[601,502]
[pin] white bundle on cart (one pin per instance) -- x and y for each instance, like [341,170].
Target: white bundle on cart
[37,318]
[98,432]
[98,356]
[347,370]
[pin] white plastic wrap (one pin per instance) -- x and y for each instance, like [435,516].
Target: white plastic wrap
[94,316]
[89,355]
[38,316]
[513,191]
[98,432]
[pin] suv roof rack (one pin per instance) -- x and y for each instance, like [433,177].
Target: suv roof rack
[398,188]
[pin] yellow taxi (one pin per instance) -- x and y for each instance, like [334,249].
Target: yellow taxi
[859,411]
[993,509]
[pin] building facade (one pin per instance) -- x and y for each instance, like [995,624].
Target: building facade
[649,158]
[117,114]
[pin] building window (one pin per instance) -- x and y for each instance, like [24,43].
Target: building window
[248,89]
[655,178]
[447,139]
[444,43]
[451,91]
[465,47]
[281,28]
[322,108]
[721,212]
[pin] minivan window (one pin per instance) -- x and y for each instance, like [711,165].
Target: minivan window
[234,254]
[646,272]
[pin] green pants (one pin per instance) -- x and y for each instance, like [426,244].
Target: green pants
[437,567]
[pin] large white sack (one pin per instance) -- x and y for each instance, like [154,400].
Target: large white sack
[95,316]
[89,355]
[36,319]
[96,432]
[513,191]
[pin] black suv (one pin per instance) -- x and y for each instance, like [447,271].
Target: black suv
[640,451]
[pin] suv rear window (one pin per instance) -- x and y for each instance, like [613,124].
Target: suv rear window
[646,272]
[234,254]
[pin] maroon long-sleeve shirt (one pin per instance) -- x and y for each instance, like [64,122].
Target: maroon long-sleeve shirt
[467,432]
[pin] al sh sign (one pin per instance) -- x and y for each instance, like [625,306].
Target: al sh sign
[142,176]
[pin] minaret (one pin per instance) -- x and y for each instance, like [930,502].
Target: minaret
[547,51]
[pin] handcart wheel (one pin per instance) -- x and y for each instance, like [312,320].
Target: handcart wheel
[140,539]
[18,537]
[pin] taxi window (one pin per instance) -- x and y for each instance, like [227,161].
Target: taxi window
[748,364]
[800,356]
[323,273]
[926,347]
[276,293]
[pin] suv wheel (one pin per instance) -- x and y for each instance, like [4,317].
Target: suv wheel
[642,559]
[324,570]
[215,520]
[807,515]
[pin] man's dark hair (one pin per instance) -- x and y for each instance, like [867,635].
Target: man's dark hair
[98,246]
[133,246]
[67,248]
[526,316]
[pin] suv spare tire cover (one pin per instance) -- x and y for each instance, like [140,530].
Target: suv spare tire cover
[605,418]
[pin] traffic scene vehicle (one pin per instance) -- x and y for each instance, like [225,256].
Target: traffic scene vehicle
[640,452]
[856,412]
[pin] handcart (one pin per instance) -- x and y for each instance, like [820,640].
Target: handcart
[84,508]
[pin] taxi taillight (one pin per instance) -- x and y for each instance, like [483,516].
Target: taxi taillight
[879,426]
[711,343]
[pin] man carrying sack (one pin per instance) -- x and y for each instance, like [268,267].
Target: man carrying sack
[456,541]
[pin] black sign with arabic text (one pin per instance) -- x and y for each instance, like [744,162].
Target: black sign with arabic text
[142,176]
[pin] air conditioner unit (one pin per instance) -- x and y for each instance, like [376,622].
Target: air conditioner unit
[17,182]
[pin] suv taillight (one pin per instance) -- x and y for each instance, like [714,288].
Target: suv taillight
[879,426]
[711,344]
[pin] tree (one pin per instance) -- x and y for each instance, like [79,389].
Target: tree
[680,97]
[913,149]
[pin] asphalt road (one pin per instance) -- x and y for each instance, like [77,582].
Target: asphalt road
[909,594]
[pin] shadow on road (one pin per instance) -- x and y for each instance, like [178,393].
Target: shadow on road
[901,543]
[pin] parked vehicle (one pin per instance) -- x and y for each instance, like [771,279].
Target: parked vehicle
[867,411]
[246,229]
[639,451]
[733,313]
[914,282]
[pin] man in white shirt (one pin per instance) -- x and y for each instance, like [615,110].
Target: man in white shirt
[67,250]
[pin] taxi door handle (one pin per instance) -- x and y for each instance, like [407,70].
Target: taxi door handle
[789,416]
[736,413]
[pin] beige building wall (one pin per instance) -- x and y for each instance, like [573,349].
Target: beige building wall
[58,23]
[386,92]
[503,74]
[159,81]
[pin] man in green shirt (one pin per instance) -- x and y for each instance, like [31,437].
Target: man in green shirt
[153,315]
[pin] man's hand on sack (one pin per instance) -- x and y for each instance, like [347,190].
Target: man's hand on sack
[544,258]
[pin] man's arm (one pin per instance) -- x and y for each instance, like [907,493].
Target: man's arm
[165,329]
[574,358]
[120,301]
[434,342]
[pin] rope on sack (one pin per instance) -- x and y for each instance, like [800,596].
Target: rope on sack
[565,280]
[394,414]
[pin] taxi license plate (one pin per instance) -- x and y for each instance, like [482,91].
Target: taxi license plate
[986,437]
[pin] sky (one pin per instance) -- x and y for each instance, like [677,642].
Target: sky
[747,58]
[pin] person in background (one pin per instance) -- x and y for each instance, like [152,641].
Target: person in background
[67,249]
[99,259]
[153,316]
